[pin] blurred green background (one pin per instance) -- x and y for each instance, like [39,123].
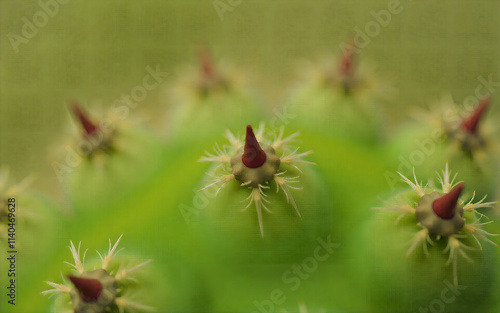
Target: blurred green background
[95,51]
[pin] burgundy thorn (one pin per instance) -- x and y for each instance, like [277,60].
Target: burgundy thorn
[253,155]
[444,207]
[346,64]
[472,122]
[89,289]
[89,127]
[207,67]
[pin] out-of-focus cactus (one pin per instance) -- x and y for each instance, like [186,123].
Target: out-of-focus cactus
[207,100]
[340,99]
[108,154]
[461,135]
[28,229]
[8,211]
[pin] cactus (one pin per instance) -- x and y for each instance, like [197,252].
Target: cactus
[107,154]
[28,229]
[448,132]
[445,229]
[265,172]
[97,139]
[100,290]
[252,224]
[338,99]
[465,132]
[255,167]
[211,93]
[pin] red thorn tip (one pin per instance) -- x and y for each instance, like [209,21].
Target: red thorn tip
[89,289]
[207,68]
[471,123]
[444,207]
[346,66]
[253,155]
[87,124]
[346,63]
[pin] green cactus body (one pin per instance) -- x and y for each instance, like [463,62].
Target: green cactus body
[425,251]
[319,109]
[354,177]
[126,169]
[344,164]
[283,230]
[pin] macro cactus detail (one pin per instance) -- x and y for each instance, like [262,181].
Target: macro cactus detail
[99,290]
[255,165]
[441,215]
[253,225]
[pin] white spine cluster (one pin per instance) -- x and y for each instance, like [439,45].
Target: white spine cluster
[455,242]
[123,303]
[259,187]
